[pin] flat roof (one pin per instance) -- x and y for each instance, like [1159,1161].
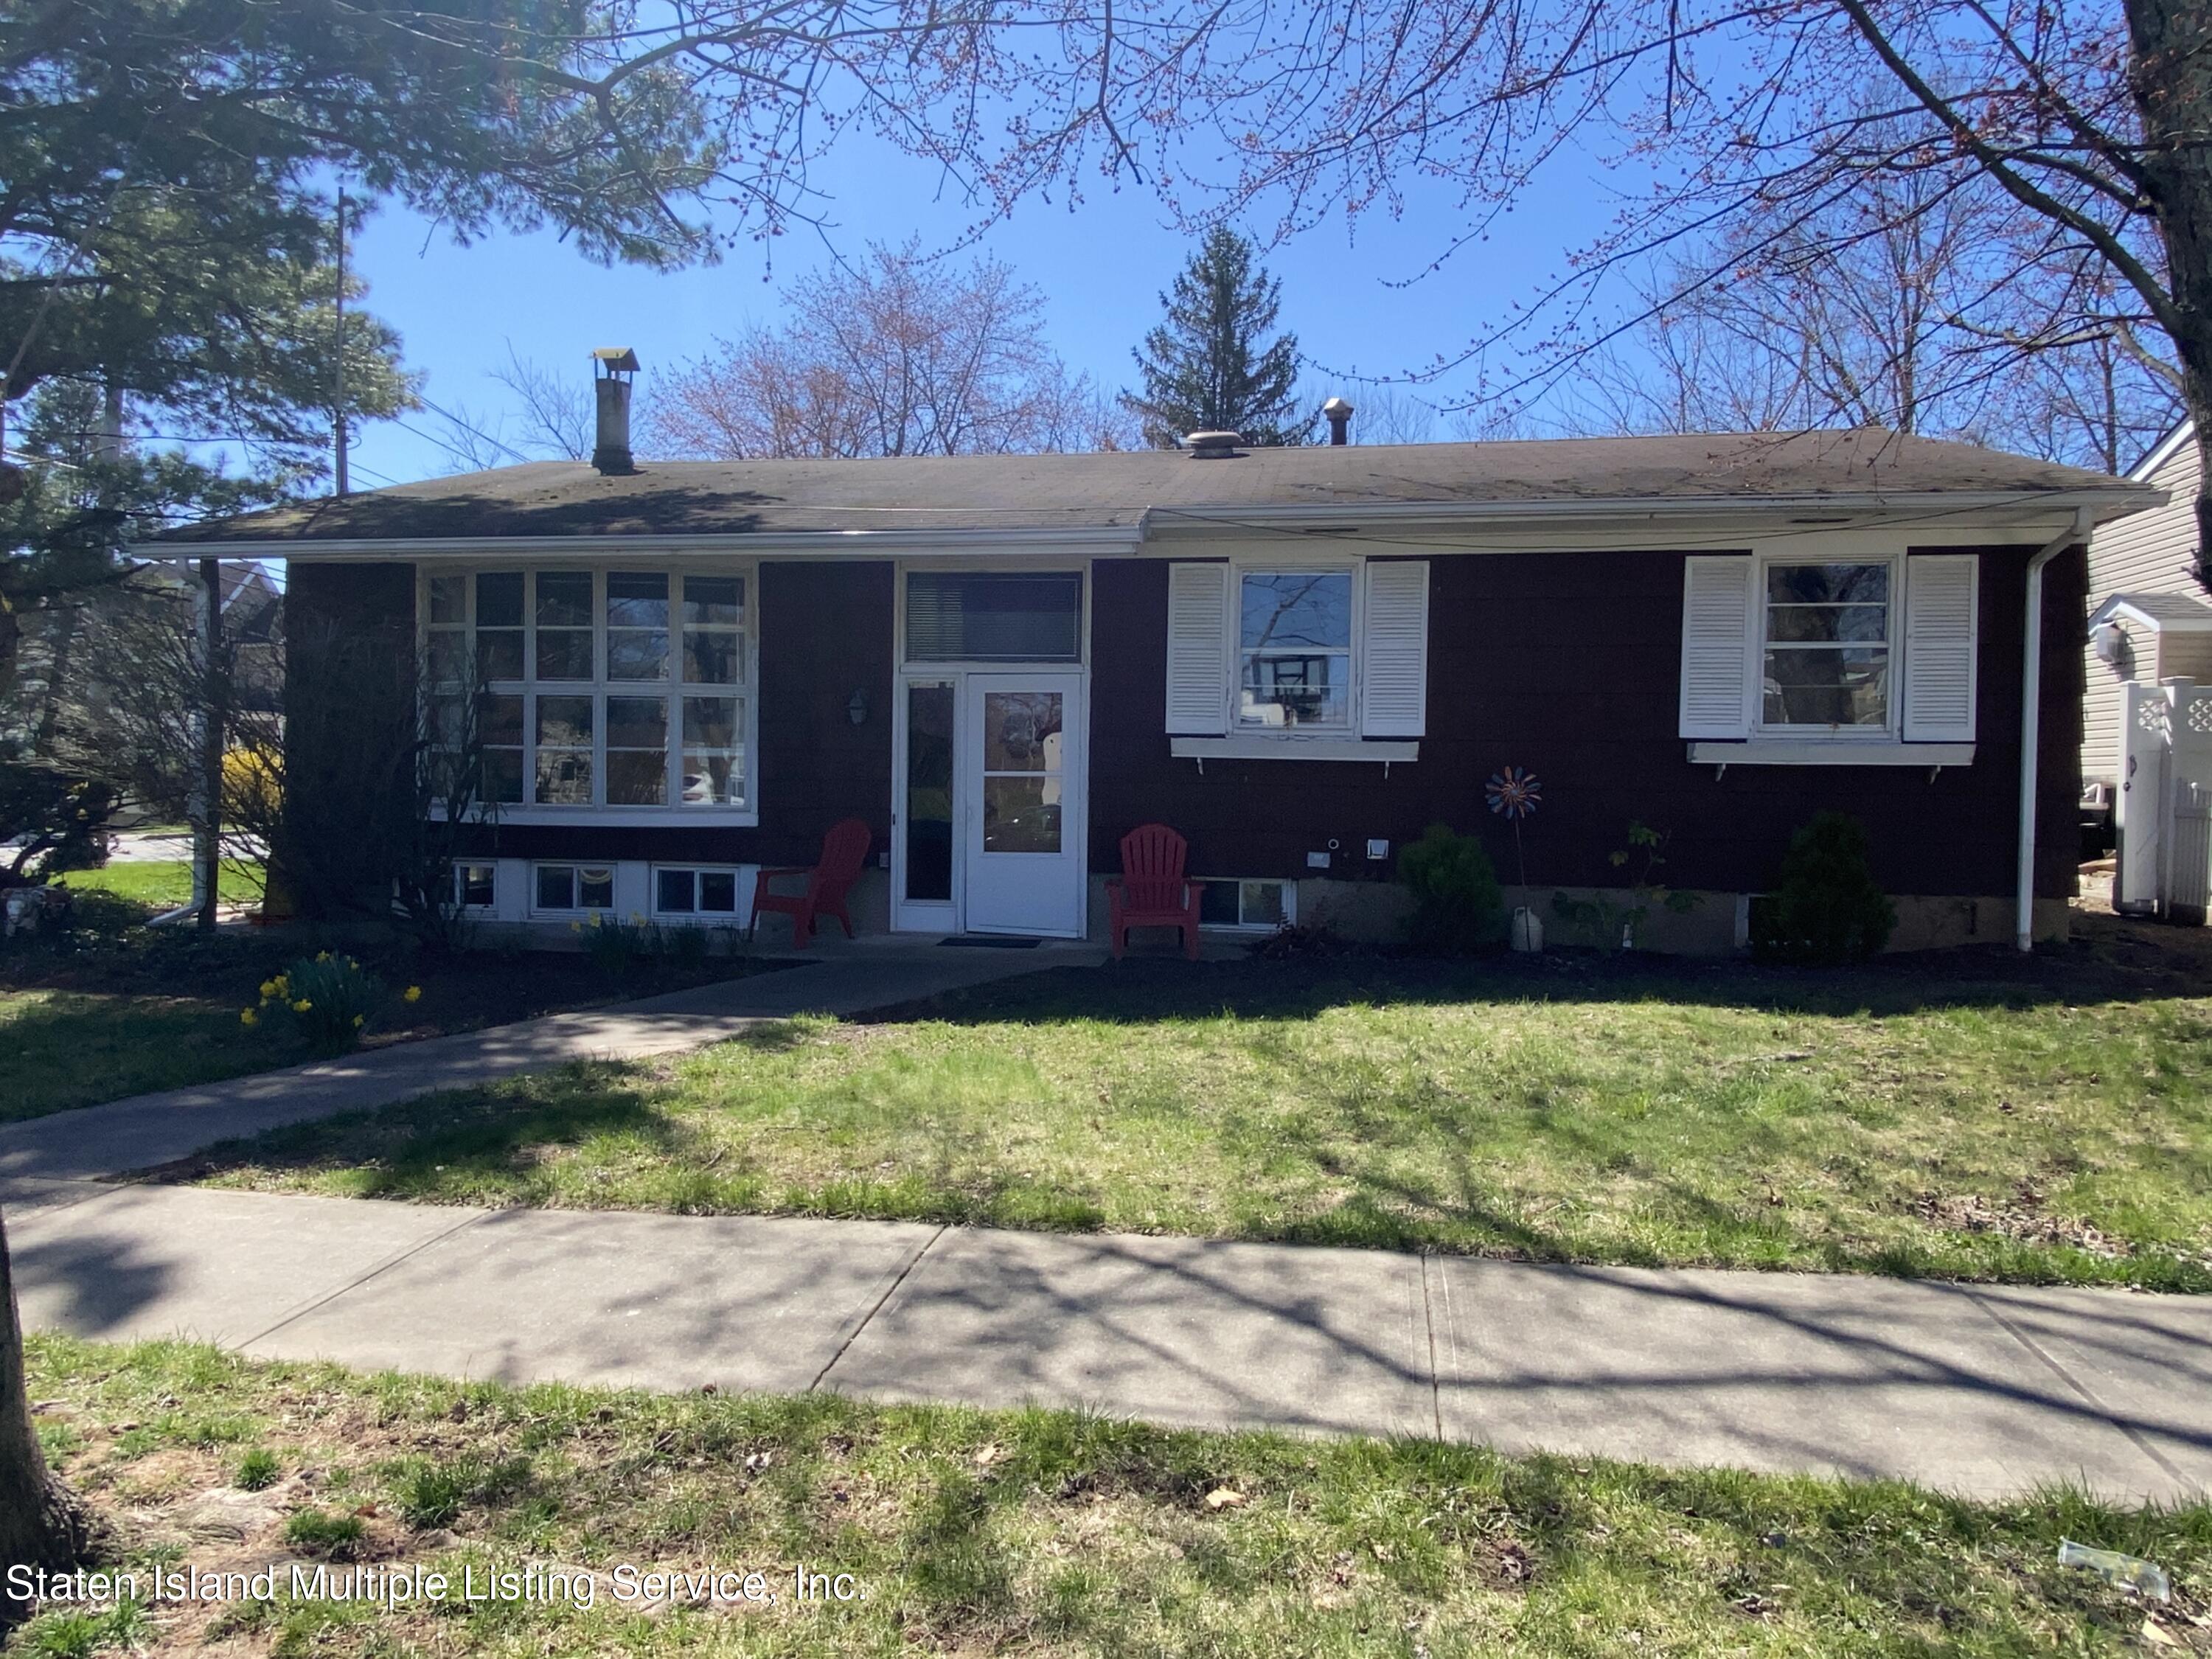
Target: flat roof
[1111,490]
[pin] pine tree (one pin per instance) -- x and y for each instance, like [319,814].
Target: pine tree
[1203,367]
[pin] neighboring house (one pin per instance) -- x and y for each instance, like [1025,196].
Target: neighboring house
[1299,659]
[2148,618]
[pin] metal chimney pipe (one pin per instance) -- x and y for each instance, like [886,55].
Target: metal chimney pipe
[611,391]
[1340,420]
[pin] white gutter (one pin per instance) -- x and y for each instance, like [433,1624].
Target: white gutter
[2030,722]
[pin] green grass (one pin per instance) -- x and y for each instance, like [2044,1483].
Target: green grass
[164,884]
[1046,1532]
[1884,1123]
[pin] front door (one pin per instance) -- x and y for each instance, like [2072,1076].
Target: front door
[1021,785]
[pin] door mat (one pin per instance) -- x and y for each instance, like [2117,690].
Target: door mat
[993,942]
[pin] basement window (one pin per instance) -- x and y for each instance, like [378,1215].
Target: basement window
[1254,905]
[576,887]
[684,892]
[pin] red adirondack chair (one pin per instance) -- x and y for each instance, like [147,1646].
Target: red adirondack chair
[1152,891]
[844,850]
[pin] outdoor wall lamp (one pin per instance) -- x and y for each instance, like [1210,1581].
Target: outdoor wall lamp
[856,707]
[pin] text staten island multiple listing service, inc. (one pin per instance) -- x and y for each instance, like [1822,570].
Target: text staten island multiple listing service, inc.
[408,1584]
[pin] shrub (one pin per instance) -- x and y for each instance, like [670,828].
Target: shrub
[326,999]
[612,946]
[685,946]
[1825,907]
[257,1469]
[1609,922]
[1457,906]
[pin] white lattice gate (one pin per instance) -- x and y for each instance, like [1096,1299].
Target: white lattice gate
[2165,810]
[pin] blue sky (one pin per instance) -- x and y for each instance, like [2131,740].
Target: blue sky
[1100,268]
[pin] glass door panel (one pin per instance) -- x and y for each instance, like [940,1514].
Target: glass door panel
[927,811]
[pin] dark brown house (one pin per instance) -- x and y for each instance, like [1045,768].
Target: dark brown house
[1298,658]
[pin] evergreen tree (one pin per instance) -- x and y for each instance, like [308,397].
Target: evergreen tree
[1203,367]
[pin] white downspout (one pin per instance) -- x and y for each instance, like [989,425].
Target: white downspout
[2030,722]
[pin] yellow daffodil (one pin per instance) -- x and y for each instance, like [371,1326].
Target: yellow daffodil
[322,955]
[301,1006]
[412,993]
[357,1020]
[246,1016]
[268,990]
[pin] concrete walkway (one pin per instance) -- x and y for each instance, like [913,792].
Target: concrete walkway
[152,1129]
[1982,1391]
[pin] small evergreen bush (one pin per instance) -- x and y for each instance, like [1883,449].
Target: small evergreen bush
[1457,905]
[1825,907]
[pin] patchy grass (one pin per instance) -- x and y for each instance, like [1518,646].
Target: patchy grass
[114,1008]
[2049,1121]
[1033,1532]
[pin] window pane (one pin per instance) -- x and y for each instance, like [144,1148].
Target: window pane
[634,653]
[1296,690]
[710,722]
[476,882]
[1004,617]
[713,780]
[1217,904]
[1827,686]
[564,598]
[449,722]
[596,888]
[449,657]
[636,777]
[1837,602]
[503,776]
[556,887]
[564,654]
[718,892]
[713,601]
[1297,607]
[499,654]
[637,600]
[712,659]
[499,718]
[564,722]
[1021,732]
[499,598]
[449,597]
[929,791]
[1262,903]
[674,890]
[637,723]
[1017,817]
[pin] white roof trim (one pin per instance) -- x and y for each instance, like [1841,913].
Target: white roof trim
[2122,604]
[1102,541]
[2162,451]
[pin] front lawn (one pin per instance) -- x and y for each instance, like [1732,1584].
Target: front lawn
[114,1008]
[1032,1532]
[1975,1116]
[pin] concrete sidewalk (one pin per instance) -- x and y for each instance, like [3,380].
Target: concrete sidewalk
[1988,1391]
[147,1130]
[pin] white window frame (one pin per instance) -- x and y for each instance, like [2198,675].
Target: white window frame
[1894,713]
[461,867]
[576,867]
[732,917]
[1347,730]
[1290,886]
[599,688]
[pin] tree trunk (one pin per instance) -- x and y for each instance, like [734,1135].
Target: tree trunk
[2170,72]
[40,1524]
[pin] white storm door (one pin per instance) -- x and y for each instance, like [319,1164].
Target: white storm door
[1023,778]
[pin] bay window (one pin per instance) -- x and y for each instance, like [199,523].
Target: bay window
[594,690]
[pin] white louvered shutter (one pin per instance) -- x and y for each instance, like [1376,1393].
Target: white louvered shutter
[1198,650]
[1718,629]
[1394,694]
[1940,594]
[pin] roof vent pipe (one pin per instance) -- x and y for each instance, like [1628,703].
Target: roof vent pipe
[1340,420]
[1213,445]
[610,390]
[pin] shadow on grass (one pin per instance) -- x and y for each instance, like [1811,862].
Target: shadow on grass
[2110,960]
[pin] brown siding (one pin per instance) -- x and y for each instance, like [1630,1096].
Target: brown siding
[1566,664]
